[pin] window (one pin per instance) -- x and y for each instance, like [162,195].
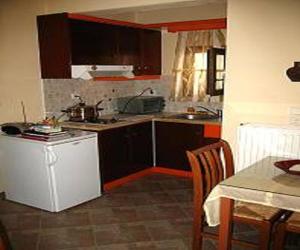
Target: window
[216,71]
[192,65]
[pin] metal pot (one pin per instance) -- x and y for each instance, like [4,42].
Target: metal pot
[81,112]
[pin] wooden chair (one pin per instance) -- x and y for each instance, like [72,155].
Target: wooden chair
[291,224]
[208,170]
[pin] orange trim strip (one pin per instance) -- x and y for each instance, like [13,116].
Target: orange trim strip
[124,180]
[219,23]
[121,78]
[212,130]
[169,171]
[152,170]
[103,20]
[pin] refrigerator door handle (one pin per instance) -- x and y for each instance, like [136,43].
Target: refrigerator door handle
[51,156]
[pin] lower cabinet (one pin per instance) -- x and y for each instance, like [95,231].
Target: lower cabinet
[173,139]
[125,150]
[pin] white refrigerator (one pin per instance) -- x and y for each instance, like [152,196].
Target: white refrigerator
[52,175]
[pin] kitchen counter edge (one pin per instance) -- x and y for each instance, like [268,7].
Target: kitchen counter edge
[101,127]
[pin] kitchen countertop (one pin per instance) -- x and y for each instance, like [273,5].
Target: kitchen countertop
[126,120]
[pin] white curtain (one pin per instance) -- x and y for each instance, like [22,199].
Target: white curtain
[190,64]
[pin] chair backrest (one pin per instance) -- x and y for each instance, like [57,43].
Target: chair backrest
[210,165]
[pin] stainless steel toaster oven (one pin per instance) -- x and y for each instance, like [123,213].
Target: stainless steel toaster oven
[140,104]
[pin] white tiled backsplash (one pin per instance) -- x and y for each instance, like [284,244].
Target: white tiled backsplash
[57,94]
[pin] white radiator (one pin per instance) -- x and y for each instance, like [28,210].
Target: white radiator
[256,141]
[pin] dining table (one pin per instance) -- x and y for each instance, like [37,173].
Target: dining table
[261,183]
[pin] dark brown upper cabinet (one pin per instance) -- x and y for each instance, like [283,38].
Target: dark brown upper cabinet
[215,71]
[150,51]
[91,43]
[64,42]
[55,46]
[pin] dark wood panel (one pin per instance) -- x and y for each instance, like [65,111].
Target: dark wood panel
[93,43]
[65,42]
[128,43]
[113,151]
[125,150]
[141,155]
[54,44]
[173,139]
[151,52]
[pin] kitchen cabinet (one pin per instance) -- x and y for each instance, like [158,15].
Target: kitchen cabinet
[128,46]
[91,43]
[64,42]
[173,139]
[125,150]
[151,52]
[54,45]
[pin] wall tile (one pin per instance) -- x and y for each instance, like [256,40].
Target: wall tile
[57,94]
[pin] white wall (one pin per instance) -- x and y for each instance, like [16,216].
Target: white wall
[263,41]
[19,70]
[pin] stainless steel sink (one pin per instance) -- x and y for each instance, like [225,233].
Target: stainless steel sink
[200,116]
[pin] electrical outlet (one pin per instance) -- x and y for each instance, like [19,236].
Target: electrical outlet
[153,92]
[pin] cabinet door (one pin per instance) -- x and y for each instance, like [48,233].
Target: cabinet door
[128,46]
[150,52]
[114,153]
[140,154]
[93,43]
[55,46]
[124,151]
[173,139]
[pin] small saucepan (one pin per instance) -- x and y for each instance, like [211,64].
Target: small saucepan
[82,112]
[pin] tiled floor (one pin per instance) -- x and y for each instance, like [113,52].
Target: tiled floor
[154,212]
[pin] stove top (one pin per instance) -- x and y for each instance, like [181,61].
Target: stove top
[101,121]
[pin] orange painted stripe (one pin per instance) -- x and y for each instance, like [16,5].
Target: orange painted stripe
[212,130]
[104,20]
[169,171]
[129,178]
[219,23]
[122,78]
[148,171]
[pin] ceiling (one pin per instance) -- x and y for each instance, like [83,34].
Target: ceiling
[129,13]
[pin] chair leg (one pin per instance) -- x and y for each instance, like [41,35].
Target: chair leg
[279,236]
[197,237]
[197,226]
[265,235]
